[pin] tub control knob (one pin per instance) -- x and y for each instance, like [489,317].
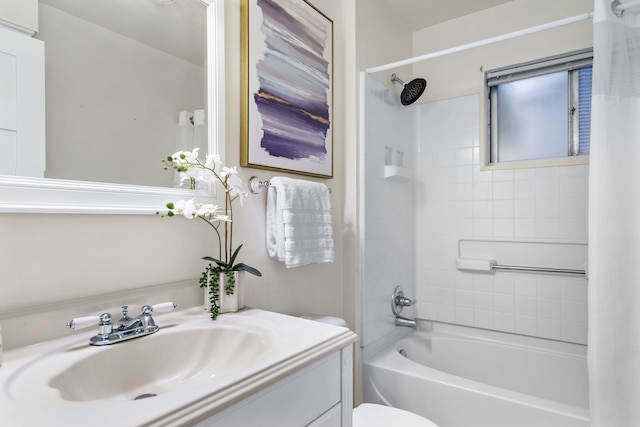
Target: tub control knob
[399,301]
[404,302]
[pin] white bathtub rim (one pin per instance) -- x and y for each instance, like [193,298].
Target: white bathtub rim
[473,333]
[392,361]
[500,337]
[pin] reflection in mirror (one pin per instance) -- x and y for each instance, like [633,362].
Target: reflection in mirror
[94,191]
[125,87]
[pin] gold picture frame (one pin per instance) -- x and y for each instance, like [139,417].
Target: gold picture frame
[287,87]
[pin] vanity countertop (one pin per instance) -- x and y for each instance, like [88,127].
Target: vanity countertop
[27,373]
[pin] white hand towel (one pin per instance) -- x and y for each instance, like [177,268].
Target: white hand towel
[299,230]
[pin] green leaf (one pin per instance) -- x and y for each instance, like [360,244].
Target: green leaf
[222,264]
[235,254]
[244,267]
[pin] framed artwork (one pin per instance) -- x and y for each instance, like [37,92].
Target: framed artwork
[287,87]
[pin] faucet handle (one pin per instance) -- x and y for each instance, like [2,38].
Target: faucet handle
[148,323]
[125,316]
[399,301]
[83,322]
[163,307]
[103,321]
[403,301]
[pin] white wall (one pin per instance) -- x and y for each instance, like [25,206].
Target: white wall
[463,73]
[388,223]
[49,258]
[458,201]
[309,289]
[23,13]
[382,38]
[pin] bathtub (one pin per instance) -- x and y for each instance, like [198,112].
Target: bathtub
[467,377]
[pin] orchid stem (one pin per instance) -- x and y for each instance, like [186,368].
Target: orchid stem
[215,228]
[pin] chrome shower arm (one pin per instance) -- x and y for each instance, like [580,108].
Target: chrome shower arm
[395,79]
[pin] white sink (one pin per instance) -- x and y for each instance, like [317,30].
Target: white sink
[178,356]
[190,367]
[160,363]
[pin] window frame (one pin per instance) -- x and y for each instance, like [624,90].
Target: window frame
[572,62]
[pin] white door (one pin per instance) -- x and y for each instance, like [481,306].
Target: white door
[22,112]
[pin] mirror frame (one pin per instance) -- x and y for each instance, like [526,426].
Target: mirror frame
[46,195]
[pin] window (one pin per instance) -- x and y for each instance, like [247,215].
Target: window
[540,110]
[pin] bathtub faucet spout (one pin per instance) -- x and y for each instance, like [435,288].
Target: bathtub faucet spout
[409,323]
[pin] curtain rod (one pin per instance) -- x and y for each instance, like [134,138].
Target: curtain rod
[526,31]
[620,9]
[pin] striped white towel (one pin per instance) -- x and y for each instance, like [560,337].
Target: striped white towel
[299,230]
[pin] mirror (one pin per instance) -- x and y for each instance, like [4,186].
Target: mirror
[117,75]
[127,83]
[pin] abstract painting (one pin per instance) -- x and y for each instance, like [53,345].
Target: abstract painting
[287,88]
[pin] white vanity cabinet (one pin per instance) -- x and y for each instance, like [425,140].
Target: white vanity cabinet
[319,395]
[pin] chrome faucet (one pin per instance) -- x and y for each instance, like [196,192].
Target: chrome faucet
[127,328]
[398,302]
[403,321]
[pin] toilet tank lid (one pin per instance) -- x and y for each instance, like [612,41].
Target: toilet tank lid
[327,319]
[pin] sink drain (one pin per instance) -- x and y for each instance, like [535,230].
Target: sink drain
[144,396]
[402,353]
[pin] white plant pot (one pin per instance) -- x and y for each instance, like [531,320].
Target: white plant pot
[227,303]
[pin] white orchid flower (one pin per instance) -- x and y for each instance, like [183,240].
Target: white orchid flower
[206,210]
[191,157]
[241,196]
[186,208]
[227,171]
[224,218]
[235,187]
[184,157]
[213,161]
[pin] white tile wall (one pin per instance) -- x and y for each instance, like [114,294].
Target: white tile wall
[456,200]
[387,257]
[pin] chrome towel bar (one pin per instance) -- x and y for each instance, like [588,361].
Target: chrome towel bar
[256,186]
[539,269]
[489,265]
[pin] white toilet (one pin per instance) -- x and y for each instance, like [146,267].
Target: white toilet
[373,415]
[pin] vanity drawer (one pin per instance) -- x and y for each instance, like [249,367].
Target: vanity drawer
[308,397]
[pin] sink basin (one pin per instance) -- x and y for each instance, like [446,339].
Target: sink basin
[178,356]
[149,366]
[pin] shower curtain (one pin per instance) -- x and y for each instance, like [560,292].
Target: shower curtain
[614,220]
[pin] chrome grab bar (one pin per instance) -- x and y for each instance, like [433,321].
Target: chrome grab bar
[538,269]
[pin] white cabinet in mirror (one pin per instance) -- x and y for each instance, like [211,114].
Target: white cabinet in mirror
[127,177]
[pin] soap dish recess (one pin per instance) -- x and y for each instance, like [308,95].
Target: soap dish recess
[397,173]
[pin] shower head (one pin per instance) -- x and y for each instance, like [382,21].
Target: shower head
[412,90]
